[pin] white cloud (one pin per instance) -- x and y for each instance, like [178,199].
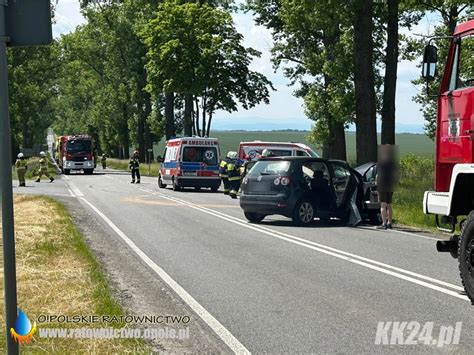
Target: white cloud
[67,17]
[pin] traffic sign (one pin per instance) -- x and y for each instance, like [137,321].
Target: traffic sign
[28,23]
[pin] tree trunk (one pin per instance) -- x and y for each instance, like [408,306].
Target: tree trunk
[148,140]
[364,83]
[338,141]
[197,118]
[124,132]
[390,79]
[208,131]
[188,115]
[335,148]
[170,128]
[204,108]
[141,136]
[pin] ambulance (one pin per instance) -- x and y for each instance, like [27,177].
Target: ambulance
[190,162]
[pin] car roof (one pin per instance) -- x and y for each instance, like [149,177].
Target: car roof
[294,158]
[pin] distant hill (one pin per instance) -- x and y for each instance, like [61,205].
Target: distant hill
[418,144]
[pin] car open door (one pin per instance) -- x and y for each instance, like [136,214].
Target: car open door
[343,182]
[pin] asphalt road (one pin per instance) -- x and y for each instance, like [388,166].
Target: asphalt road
[274,287]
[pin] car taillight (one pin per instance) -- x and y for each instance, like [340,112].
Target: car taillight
[277,181]
[285,181]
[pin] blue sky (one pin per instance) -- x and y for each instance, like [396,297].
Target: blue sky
[284,111]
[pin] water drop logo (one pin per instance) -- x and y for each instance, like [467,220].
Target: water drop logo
[22,331]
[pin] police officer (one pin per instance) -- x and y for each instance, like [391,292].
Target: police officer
[21,168]
[103,160]
[43,168]
[223,173]
[134,166]
[233,171]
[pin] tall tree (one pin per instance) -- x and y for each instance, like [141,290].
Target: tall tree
[195,51]
[312,46]
[390,77]
[364,81]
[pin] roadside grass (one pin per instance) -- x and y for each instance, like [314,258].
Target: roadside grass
[33,169]
[58,275]
[416,177]
[145,169]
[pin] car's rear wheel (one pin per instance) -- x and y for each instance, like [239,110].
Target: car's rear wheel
[303,214]
[160,183]
[254,217]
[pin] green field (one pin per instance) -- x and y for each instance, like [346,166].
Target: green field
[418,144]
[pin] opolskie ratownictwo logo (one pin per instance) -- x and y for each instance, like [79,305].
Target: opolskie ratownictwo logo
[22,330]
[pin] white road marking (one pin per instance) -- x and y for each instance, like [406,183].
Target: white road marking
[74,189]
[413,234]
[369,263]
[232,342]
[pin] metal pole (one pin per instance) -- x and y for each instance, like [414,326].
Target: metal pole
[6,191]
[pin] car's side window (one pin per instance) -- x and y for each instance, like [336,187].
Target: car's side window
[310,168]
[370,174]
[342,176]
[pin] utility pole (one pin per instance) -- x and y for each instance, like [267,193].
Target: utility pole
[22,23]
[9,265]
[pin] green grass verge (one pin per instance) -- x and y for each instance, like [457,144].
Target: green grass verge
[57,274]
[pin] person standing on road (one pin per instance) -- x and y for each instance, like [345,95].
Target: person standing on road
[134,166]
[224,174]
[233,171]
[103,160]
[21,167]
[386,180]
[43,168]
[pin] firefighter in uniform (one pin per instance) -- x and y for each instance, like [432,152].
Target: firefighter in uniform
[21,167]
[233,171]
[103,160]
[134,166]
[43,168]
[223,173]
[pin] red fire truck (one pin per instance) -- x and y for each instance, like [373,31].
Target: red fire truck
[75,153]
[454,156]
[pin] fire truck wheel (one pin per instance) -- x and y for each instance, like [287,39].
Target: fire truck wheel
[160,183]
[67,171]
[214,189]
[466,256]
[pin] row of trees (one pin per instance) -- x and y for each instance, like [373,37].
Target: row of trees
[344,55]
[140,70]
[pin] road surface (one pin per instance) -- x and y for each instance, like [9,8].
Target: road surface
[274,287]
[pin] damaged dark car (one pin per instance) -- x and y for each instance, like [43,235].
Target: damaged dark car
[304,188]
